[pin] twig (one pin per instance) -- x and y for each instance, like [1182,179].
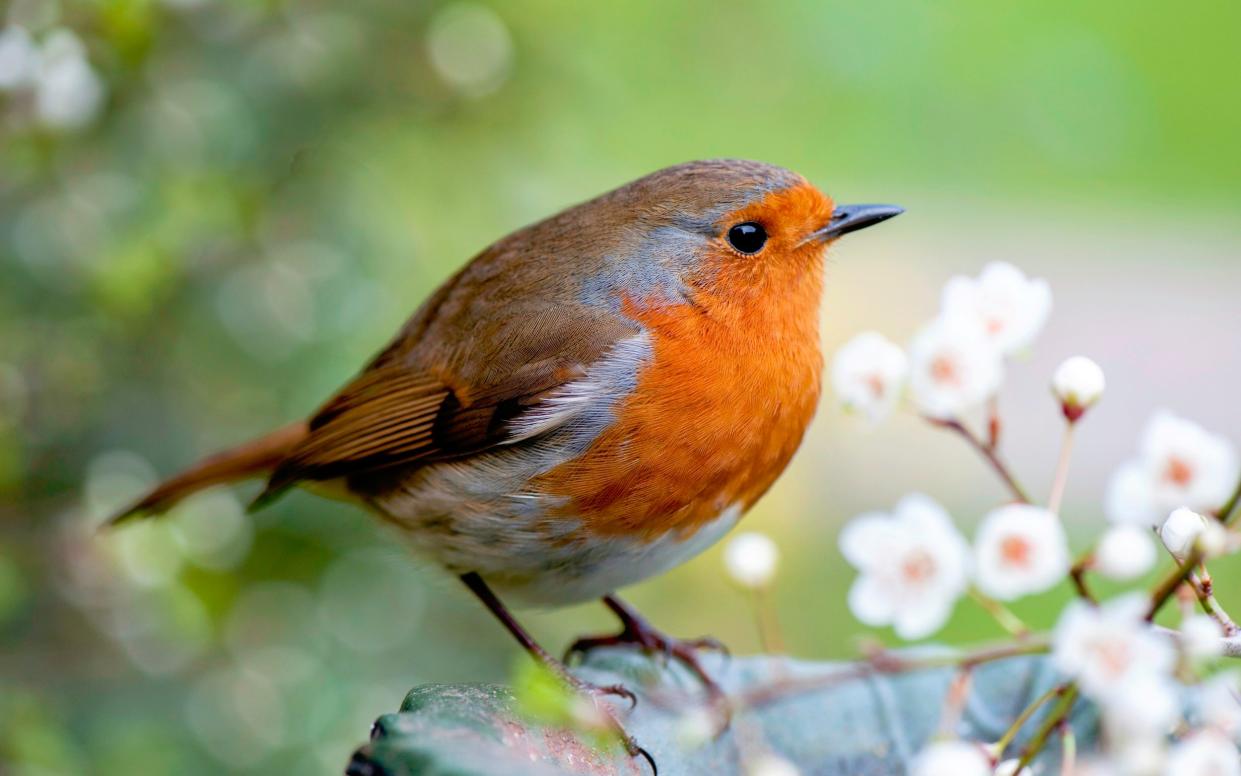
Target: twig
[1000,613]
[1068,759]
[1164,590]
[1227,513]
[1230,646]
[1078,575]
[1062,470]
[770,635]
[1203,588]
[992,457]
[1059,713]
[954,702]
[1023,718]
[882,664]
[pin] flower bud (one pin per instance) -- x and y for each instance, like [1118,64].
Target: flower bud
[751,559]
[1181,530]
[1078,383]
[1125,552]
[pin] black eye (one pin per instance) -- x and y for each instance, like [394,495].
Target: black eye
[748,237]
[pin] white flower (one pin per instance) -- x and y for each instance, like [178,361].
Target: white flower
[1140,756]
[1002,304]
[951,758]
[19,58]
[770,765]
[1020,549]
[1180,465]
[868,373]
[1181,530]
[1009,768]
[1107,646]
[1078,383]
[751,559]
[1219,703]
[1202,637]
[1206,753]
[1142,707]
[913,566]
[68,93]
[1125,552]
[952,369]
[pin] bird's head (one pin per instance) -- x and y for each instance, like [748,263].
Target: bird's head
[736,227]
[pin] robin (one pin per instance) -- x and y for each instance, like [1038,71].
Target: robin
[589,402]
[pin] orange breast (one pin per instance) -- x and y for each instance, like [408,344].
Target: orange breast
[715,416]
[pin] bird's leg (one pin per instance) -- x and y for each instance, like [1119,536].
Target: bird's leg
[637,631]
[484,593]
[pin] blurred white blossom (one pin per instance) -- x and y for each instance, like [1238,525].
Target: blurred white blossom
[470,48]
[1020,549]
[1205,753]
[19,58]
[1180,464]
[68,93]
[1001,304]
[952,369]
[1202,637]
[1078,383]
[913,566]
[1219,703]
[951,758]
[751,558]
[1143,707]
[868,373]
[1125,552]
[1010,768]
[770,765]
[1106,646]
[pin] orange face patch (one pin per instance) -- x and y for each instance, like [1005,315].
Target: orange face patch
[731,385]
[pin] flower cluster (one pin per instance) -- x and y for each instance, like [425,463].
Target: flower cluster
[914,564]
[50,81]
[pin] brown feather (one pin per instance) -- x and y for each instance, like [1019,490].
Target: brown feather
[252,459]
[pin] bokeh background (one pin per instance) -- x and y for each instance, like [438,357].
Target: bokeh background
[212,212]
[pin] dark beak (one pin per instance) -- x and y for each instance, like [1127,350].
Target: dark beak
[850,218]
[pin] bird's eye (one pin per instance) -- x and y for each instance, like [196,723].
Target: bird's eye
[748,237]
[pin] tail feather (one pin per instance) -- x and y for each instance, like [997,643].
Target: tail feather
[252,459]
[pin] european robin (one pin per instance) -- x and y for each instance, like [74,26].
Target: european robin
[590,401]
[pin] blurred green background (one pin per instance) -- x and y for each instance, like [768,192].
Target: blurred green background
[212,211]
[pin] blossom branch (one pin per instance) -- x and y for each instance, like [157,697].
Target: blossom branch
[987,452]
[1062,470]
[1203,587]
[1228,512]
[1077,574]
[1059,713]
[884,663]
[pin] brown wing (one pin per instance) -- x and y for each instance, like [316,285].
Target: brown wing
[407,408]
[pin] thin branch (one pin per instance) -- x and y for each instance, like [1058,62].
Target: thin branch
[992,457]
[1059,713]
[1023,718]
[883,664]
[1177,577]
[1204,590]
[1000,613]
[1062,470]
[1227,513]
[1078,575]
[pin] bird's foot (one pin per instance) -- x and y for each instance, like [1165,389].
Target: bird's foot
[636,631]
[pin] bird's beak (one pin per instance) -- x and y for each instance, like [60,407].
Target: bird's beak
[850,218]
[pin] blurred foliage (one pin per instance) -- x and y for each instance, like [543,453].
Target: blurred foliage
[267,188]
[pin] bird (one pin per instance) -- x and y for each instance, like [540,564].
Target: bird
[587,403]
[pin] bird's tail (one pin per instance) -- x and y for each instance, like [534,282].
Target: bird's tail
[252,459]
